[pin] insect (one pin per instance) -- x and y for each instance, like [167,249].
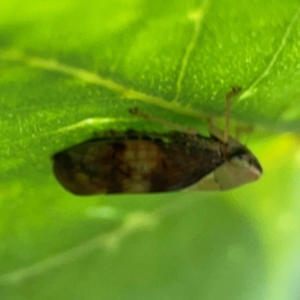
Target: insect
[145,162]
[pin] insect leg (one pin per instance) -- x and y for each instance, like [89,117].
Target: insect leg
[215,131]
[136,112]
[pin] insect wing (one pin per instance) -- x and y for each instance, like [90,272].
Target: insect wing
[132,166]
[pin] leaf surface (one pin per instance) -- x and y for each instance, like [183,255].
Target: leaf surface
[71,69]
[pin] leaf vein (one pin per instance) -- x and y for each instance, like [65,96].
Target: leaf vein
[197,17]
[93,78]
[133,223]
[110,241]
[252,87]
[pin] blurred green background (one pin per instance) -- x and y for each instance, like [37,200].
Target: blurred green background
[69,69]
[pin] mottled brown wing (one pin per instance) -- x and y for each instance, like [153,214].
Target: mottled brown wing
[182,165]
[132,166]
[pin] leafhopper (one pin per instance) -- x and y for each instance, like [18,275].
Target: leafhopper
[146,162]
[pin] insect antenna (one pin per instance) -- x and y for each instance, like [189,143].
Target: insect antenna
[240,129]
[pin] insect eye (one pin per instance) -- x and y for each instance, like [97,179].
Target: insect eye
[241,158]
[239,153]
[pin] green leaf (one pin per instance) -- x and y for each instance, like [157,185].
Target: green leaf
[71,69]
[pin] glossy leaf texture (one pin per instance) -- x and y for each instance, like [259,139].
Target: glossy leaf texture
[70,69]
